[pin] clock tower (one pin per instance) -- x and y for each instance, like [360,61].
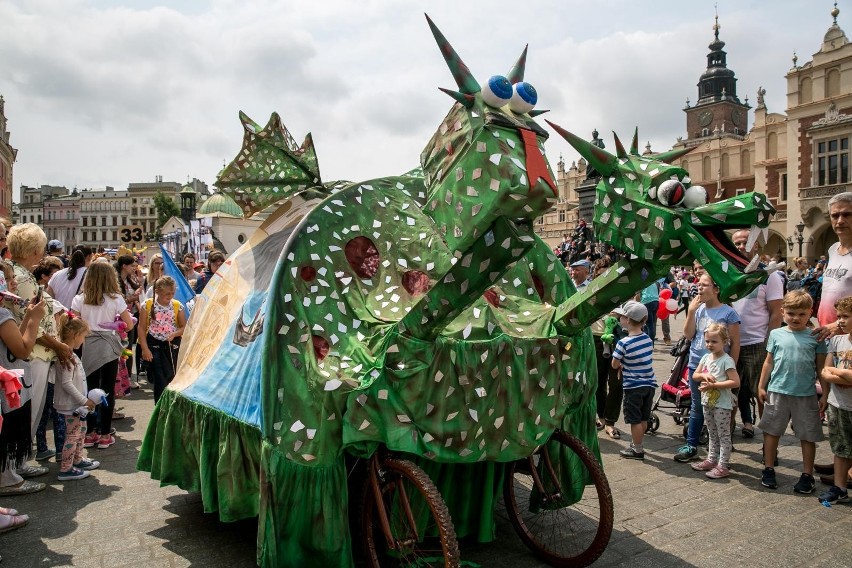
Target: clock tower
[718,111]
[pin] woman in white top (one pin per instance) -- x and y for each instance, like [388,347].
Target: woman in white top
[66,283]
[100,304]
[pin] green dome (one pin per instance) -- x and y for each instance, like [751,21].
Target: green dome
[220,205]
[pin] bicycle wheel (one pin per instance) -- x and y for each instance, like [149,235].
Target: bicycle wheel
[421,529]
[566,525]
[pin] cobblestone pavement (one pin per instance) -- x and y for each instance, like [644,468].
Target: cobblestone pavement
[665,513]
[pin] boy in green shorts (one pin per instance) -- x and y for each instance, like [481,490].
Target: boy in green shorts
[838,374]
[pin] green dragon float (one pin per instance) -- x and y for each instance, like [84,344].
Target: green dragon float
[418,312]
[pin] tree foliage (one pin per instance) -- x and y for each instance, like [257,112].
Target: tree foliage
[166,208]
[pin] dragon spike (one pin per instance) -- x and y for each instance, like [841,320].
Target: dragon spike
[673,154]
[604,162]
[248,123]
[466,100]
[634,146]
[538,112]
[619,147]
[467,83]
[516,74]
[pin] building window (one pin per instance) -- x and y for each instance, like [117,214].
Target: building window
[806,94]
[124,220]
[562,216]
[832,161]
[832,83]
[740,191]
[103,235]
[782,191]
[115,235]
[745,162]
[705,132]
[771,146]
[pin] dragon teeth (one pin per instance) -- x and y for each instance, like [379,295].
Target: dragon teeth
[752,266]
[753,233]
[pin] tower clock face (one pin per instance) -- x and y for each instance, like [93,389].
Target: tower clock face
[737,117]
[705,118]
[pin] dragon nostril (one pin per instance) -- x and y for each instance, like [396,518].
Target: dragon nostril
[308,273]
[539,286]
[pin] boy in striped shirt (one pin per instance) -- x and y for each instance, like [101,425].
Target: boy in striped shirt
[634,356]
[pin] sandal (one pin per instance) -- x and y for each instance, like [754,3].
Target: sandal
[12,522]
[613,432]
[599,425]
[748,432]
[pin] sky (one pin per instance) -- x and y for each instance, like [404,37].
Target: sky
[109,92]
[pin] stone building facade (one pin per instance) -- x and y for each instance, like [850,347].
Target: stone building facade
[7,161]
[798,158]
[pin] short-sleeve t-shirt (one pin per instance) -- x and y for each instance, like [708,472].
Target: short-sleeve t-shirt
[652,293]
[793,361]
[840,351]
[96,315]
[9,361]
[717,398]
[636,353]
[704,316]
[753,311]
[836,283]
[64,289]
[28,289]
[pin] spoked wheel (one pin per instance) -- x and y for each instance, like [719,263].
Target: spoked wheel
[568,523]
[419,532]
[653,423]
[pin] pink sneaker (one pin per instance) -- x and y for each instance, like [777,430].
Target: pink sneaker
[718,472]
[706,465]
[90,440]
[105,441]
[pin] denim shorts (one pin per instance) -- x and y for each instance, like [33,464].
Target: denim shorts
[637,404]
[802,410]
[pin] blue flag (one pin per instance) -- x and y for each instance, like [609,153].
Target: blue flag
[183,292]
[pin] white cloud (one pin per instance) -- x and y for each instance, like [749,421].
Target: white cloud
[104,92]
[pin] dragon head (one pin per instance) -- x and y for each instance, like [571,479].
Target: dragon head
[486,160]
[650,209]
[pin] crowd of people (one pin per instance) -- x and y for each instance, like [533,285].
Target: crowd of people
[763,351]
[73,331]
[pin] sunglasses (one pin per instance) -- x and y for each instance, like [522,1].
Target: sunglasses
[156,262]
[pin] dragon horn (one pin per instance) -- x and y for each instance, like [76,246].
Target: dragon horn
[634,146]
[464,79]
[598,158]
[537,112]
[619,147]
[516,74]
[466,100]
[673,154]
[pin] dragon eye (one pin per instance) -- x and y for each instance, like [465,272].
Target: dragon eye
[671,192]
[524,98]
[696,196]
[497,91]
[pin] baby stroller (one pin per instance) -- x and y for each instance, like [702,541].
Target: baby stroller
[675,392]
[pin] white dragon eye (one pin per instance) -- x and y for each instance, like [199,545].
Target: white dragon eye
[671,192]
[496,91]
[696,196]
[524,98]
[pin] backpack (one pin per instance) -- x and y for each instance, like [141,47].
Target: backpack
[148,306]
[813,286]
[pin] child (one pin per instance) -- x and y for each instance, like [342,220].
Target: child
[838,374]
[161,323]
[788,389]
[100,302]
[633,355]
[717,374]
[69,395]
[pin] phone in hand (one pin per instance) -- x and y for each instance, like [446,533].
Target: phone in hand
[39,295]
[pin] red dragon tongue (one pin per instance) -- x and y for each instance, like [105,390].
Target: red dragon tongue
[536,166]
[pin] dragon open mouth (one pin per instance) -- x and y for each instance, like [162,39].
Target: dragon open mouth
[723,244]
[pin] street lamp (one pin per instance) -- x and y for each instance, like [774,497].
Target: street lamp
[798,236]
